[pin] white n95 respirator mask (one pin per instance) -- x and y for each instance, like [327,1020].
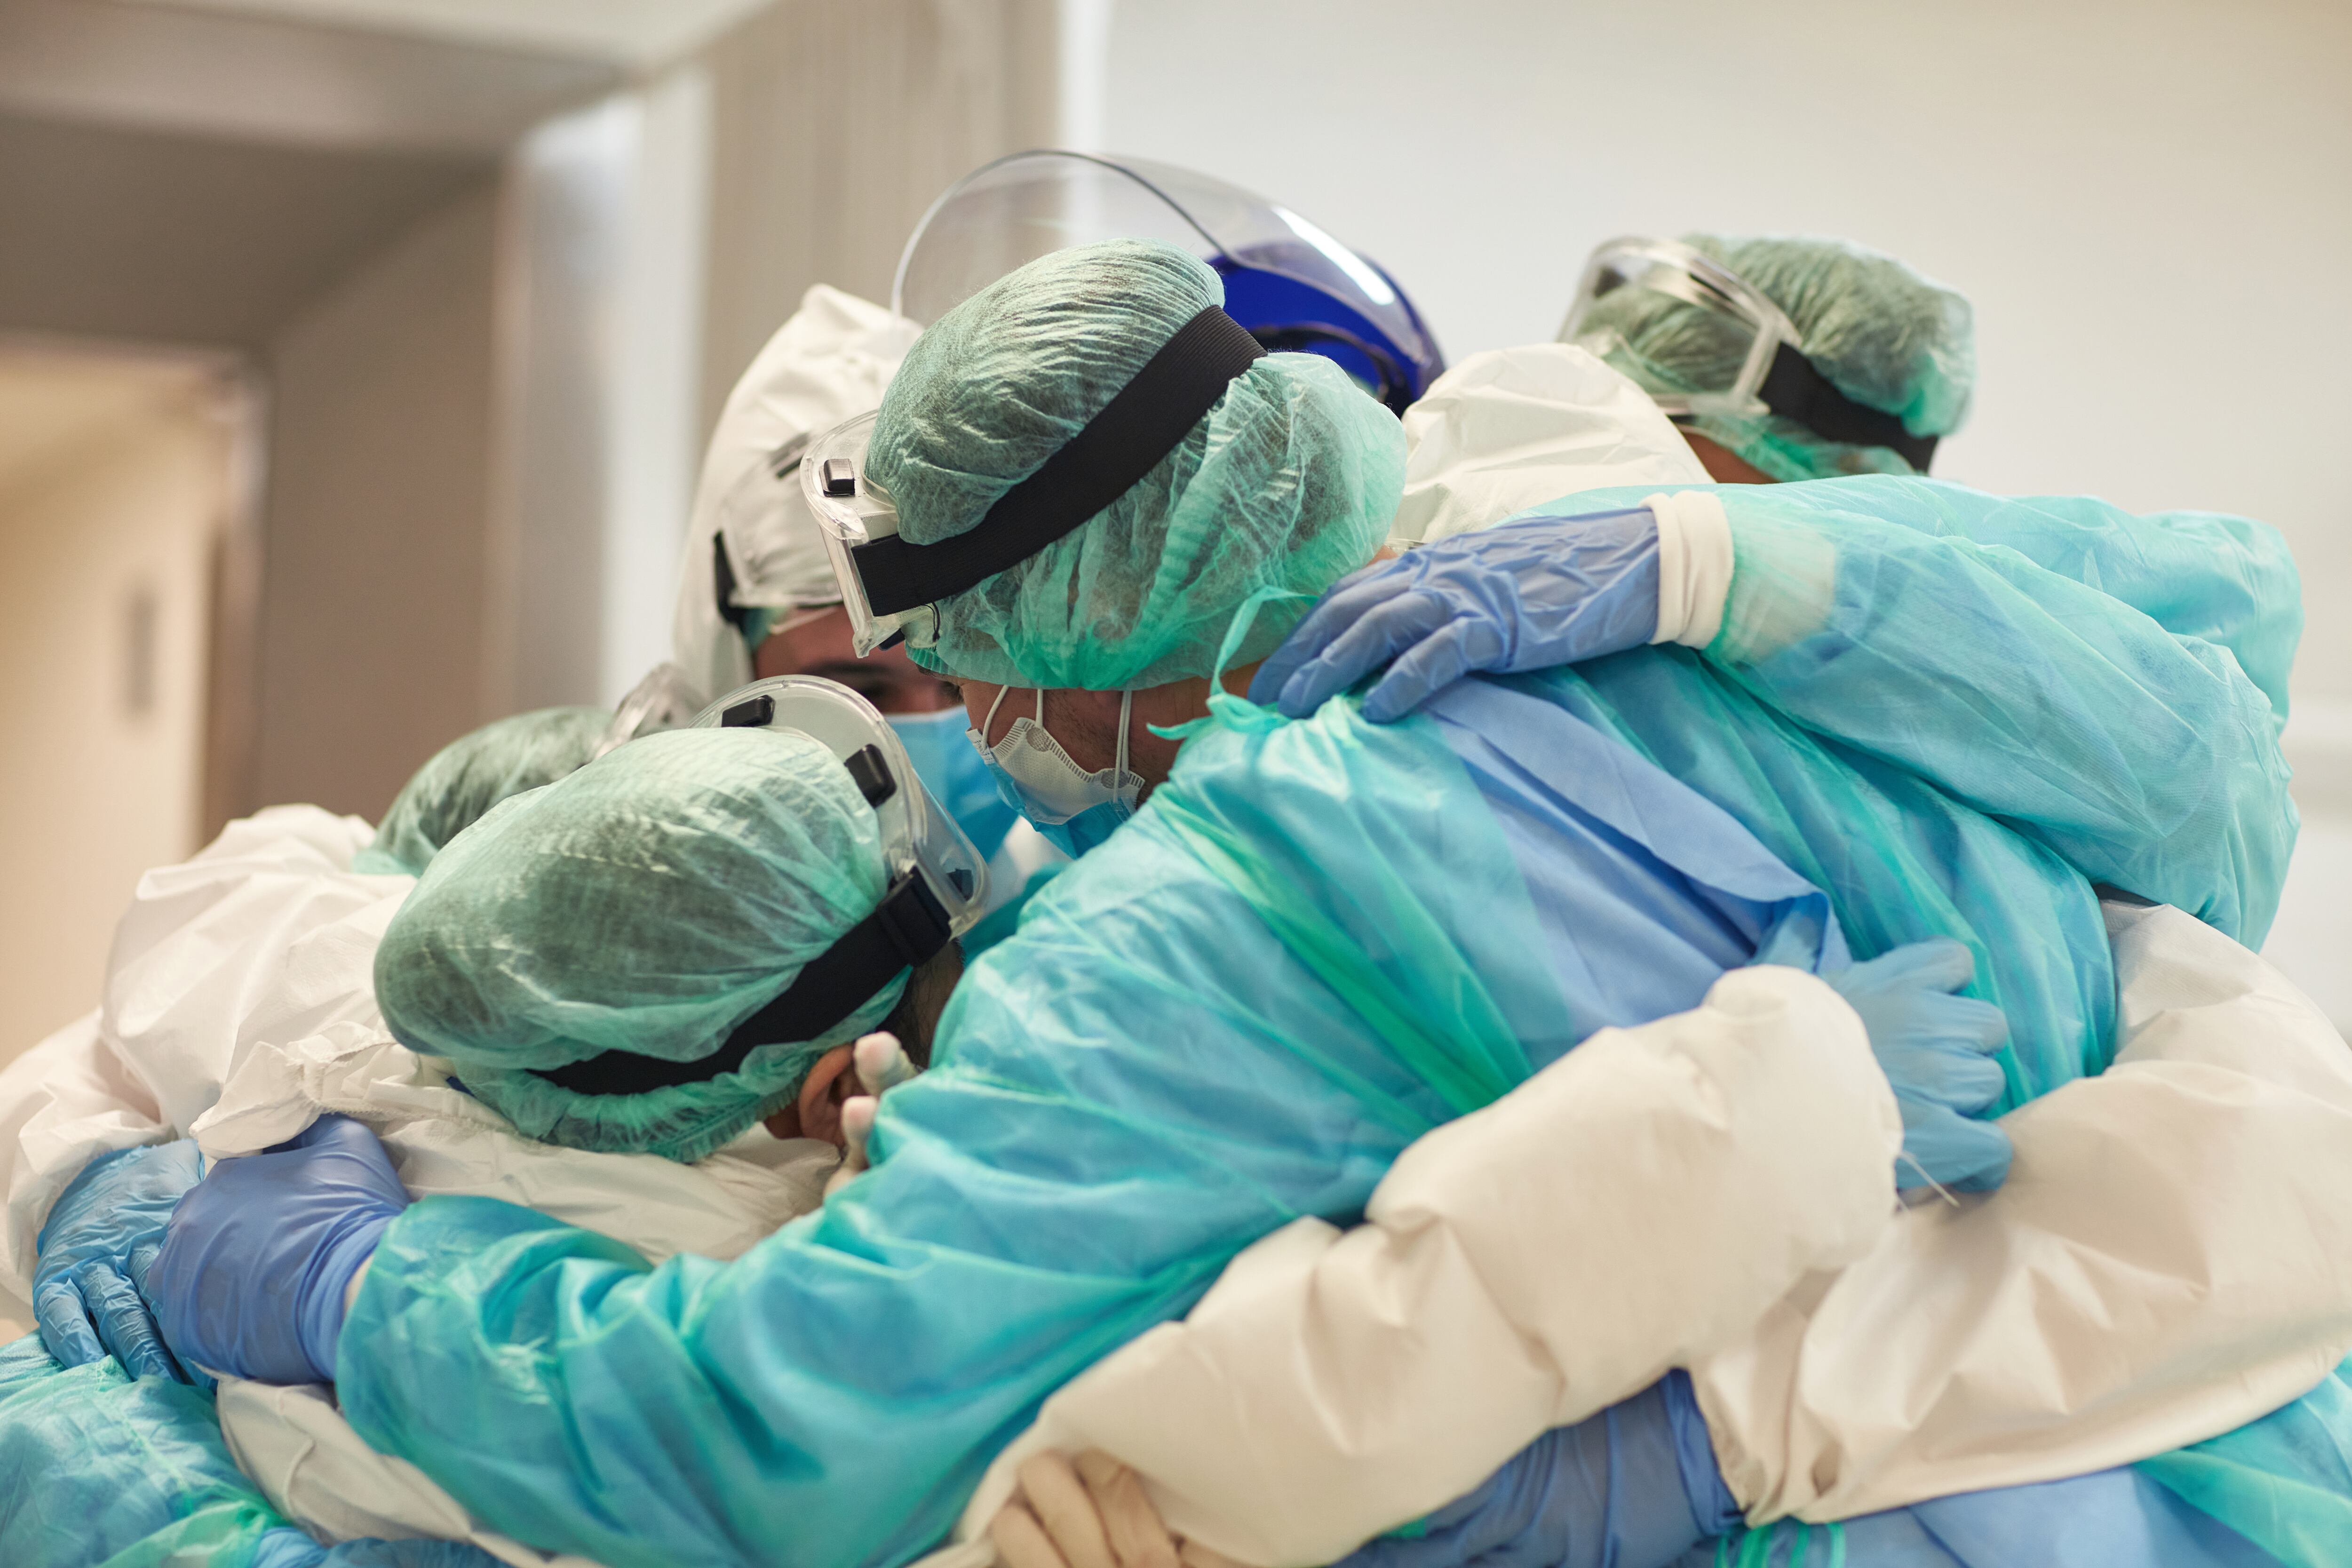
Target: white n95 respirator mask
[1073,808]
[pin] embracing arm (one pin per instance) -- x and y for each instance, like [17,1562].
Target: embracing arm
[2170,1259]
[1335,1385]
[2166,1265]
[1904,618]
[1911,621]
[2141,755]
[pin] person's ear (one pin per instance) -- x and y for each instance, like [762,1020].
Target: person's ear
[816,1111]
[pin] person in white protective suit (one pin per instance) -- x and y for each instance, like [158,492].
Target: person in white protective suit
[238,1007]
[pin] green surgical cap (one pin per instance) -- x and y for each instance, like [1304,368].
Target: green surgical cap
[1884,335]
[1288,482]
[473,774]
[649,903]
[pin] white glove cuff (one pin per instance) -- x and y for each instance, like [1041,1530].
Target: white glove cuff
[1694,565]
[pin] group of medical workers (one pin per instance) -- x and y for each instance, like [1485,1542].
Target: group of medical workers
[1225,945]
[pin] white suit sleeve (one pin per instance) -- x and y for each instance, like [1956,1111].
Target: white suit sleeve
[264,936]
[1507,429]
[2170,1259]
[1333,1385]
[196,966]
[62,1104]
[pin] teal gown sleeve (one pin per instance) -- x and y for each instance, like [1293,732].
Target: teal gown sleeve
[101,1469]
[2030,657]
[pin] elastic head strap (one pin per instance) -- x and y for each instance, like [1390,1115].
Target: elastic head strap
[904,932]
[1143,423]
[1795,389]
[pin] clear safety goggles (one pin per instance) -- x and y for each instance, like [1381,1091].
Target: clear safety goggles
[1747,329]
[1764,367]
[938,881]
[1292,285]
[852,512]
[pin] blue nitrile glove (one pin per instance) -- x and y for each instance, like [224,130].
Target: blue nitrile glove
[95,1252]
[1528,595]
[1937,1050]
[256,1261]
[1633,1487]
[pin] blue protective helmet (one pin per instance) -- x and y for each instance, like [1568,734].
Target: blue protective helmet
[1294,285]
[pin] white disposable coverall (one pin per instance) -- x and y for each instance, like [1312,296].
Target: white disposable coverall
[1511,428]
[830,362]
[239,1006]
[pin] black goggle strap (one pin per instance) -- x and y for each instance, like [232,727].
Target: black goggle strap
[1794,389]
[1143,423]
[904,932]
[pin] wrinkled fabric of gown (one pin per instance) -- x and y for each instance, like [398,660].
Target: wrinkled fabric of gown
[97,1468]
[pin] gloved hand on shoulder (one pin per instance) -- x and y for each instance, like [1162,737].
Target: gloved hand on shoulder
[1538,591]
[258,1257]
[95,1252]
[1939,1050]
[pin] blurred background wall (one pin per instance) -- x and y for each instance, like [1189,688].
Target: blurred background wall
[459,285]
[117,475]
[2150,204]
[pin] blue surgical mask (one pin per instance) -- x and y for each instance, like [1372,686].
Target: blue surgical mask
[1074,809]
[957,779]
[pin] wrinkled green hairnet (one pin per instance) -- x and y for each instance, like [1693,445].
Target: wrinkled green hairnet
[473,774]
[1884,335]
[650,903]
[1288,482]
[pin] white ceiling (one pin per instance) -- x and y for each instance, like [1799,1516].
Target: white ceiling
[623,32]
[185,70]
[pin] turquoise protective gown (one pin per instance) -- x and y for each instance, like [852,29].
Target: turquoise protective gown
[1318,941]
[99,1469]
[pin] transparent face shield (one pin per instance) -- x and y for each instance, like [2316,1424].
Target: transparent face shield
[1733,327]
[1292,284]
[918,837]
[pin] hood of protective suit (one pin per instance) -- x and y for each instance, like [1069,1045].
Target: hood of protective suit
[1511,428]
[827,364]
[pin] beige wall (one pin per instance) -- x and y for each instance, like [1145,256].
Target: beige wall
[118,512]
[835,123]
[377,540]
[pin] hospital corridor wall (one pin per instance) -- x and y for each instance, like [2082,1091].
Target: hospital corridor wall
[117,478]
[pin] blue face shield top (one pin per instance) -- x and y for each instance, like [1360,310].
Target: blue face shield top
[957,779]
[1074,809]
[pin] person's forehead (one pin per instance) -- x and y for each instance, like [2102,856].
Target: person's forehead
[820,638]
[820,644]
